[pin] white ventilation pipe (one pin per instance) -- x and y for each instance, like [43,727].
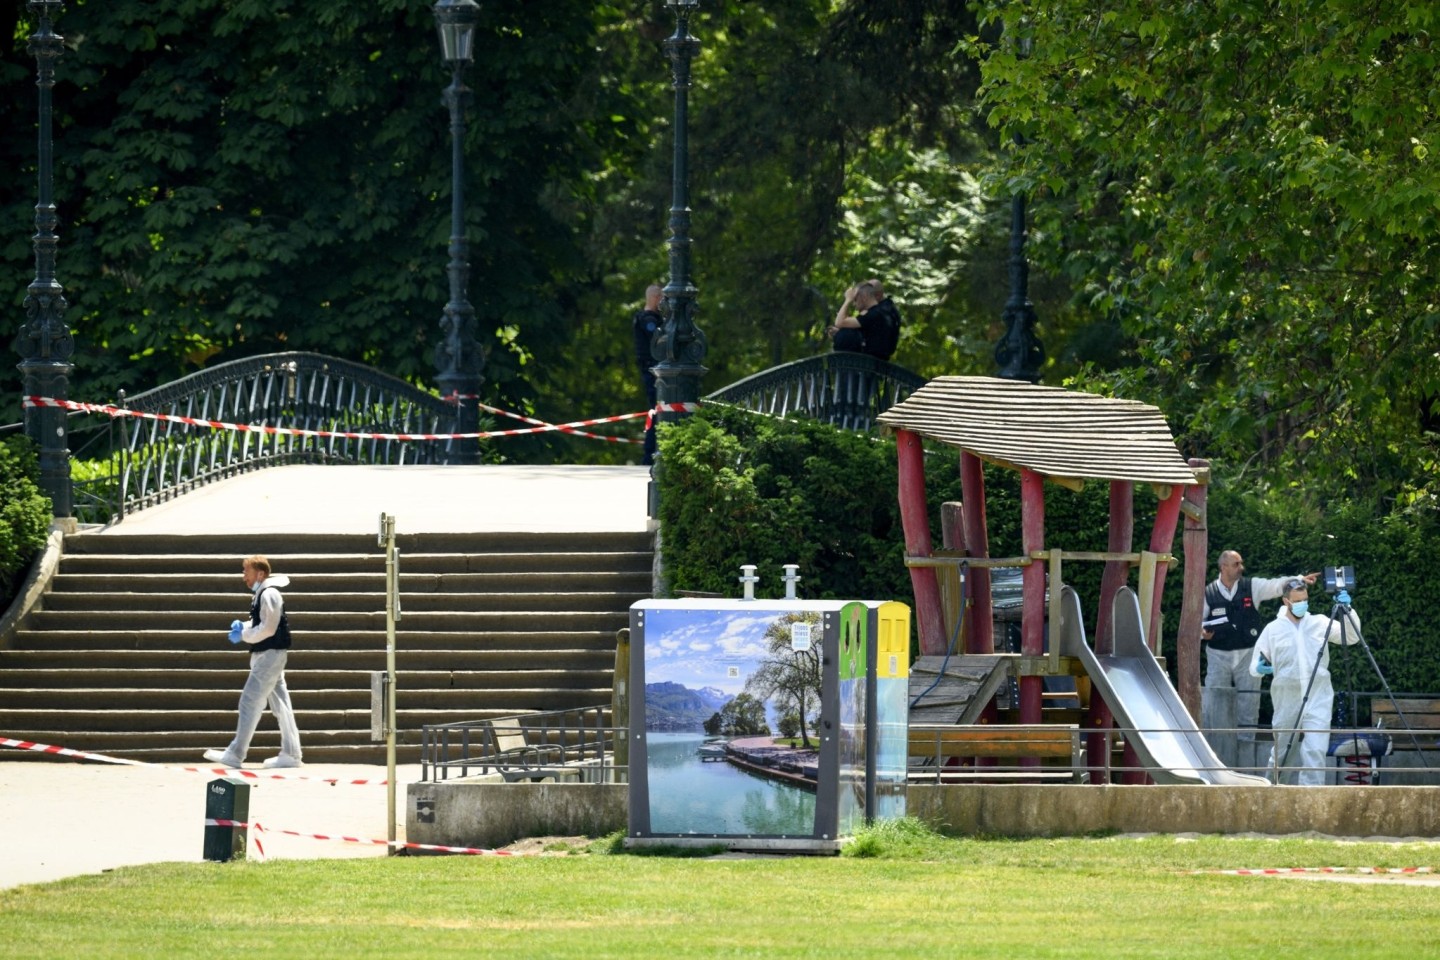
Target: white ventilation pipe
[748,580]
[791,578]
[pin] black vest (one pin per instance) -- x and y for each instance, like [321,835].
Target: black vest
[1236,623]
[280,640]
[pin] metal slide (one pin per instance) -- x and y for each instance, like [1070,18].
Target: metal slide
[1146,707]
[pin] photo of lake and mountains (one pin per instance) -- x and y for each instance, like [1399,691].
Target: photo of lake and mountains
[732,708]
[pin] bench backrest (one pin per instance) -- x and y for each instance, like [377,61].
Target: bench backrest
[1004,741]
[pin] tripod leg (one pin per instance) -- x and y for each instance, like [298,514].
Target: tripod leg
[1420,752]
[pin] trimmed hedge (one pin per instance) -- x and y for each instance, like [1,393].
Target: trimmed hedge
[740,488]
[24,512]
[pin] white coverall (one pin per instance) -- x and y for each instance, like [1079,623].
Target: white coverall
[1291,648]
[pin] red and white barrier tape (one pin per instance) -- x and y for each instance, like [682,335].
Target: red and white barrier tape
[66,752]
[110,410]
[567,428]
[218,771]
[398,844]
[668,408]
[1294,871]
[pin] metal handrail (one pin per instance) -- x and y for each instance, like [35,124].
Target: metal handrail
[923,768]
[847,390]
[304,391]
[581,738]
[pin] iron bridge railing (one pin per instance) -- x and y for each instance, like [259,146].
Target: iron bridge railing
[846,390]
[151,461]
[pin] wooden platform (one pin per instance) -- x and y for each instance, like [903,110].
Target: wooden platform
[970,681]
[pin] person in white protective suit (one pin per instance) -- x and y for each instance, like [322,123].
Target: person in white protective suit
[1287,651]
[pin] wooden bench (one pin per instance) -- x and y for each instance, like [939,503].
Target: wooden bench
[1422,714]
[515,752]
[933,746]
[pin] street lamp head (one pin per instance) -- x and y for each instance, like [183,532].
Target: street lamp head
[455,21]
[685,4]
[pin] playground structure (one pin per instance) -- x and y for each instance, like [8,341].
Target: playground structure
[1068,438]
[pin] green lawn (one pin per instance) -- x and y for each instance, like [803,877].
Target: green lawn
[913,895]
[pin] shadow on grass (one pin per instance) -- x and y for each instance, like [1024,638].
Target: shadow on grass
[614,845]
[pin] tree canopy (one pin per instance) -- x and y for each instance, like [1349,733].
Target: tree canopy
[1234,204]
[236,177]
[1248,190]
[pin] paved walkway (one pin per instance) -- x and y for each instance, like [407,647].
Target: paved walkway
[423,499]
[63,819]
[67,818]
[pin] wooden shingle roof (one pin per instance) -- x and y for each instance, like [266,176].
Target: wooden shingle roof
[1059,433]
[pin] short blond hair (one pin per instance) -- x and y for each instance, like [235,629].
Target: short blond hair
[258,562]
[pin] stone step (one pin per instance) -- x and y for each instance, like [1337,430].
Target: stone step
[96,701]
[31,685]
[367,581]
[129,656]
[14,665]
[186,748]
[356,641]
[222,721]
[301,600]
[236,546]
[445,563]
[123,623]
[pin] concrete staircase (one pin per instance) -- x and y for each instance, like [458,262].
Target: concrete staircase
[128,655]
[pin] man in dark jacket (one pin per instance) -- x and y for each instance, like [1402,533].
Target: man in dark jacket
[645,325]
[1231,625]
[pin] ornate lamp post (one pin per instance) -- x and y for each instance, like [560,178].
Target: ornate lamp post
[679,346]
[44,342]
[459,357]
[1019,354]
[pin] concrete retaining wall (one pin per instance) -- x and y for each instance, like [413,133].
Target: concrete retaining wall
[1027,811]
[489,814]
[480,814]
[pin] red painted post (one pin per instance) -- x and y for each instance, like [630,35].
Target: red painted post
[1161,539]
[1032,592]
[1117,574]
[952,537]
[915,519]
[977,541]
[1196,540]
[1167,515]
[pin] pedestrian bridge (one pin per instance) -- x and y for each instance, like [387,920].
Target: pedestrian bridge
[305,408]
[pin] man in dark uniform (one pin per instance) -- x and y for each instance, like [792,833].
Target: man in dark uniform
[646,324]
[1231,625]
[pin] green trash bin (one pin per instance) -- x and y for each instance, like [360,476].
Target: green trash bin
[228,799]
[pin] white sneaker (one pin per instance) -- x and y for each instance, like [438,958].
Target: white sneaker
[222,758]
[276,763]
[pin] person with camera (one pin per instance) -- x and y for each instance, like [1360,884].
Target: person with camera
[1232,622]
[848,331]
[1293,651]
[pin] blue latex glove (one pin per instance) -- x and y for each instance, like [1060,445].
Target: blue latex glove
[236,627]
[1265,668]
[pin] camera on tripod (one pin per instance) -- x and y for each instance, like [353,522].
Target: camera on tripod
[1339,579]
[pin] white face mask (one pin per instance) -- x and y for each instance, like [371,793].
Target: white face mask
[1299,608]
